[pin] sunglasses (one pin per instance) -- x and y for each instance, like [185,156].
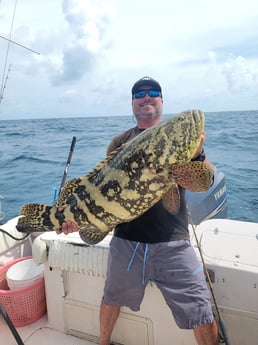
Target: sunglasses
[142,94]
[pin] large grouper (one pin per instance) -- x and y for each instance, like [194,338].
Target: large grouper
[129,181]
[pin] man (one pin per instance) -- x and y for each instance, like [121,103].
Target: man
[155,245]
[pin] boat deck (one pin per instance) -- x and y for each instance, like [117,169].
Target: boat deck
[39,333]
[230,251]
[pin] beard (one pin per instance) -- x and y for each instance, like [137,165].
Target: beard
[148,111]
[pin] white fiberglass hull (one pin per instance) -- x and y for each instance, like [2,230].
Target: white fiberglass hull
[75,275]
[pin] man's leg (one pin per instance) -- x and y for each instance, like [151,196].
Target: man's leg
[108,316]
[207,334]
[122,286]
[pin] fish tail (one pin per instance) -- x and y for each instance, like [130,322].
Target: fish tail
[34,218]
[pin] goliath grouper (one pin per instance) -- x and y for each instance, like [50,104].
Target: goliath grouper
[129,181]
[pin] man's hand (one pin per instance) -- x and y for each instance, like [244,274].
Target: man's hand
[200,148]
[67,227]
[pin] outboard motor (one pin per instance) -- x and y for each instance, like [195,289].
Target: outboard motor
[209,204]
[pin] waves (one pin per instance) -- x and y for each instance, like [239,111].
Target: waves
[24,159]
[33,155]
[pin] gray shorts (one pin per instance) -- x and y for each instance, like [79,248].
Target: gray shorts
[172,266]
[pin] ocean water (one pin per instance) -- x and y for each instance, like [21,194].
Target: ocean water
[33,156]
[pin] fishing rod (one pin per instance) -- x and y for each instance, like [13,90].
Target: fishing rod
[222,326]
[60,189]
[67,165]
[10,325]
[9,40]
[3,86]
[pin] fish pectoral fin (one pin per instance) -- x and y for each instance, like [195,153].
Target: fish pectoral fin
[171,200]
[91,234]
[194,176]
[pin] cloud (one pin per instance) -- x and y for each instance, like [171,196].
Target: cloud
[240,74]
[68,96]
[75,62]
[85,42]
[92,51]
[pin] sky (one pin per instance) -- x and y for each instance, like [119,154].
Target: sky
[86,55]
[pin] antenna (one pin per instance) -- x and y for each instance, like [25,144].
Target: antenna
[19,44]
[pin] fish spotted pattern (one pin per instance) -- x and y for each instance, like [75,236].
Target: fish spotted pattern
[129,181]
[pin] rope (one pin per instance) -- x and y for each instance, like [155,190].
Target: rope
[13,237]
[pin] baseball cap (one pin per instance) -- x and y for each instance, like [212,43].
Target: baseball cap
[148,81]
